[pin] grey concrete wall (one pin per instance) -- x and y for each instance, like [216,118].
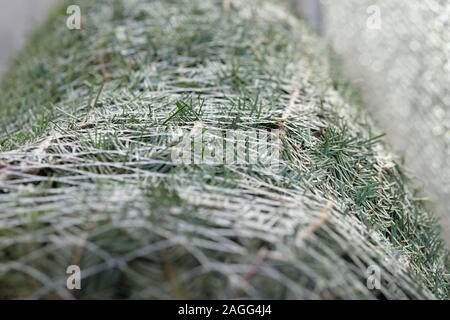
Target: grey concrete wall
[17,19]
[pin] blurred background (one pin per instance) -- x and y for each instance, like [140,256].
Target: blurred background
[17,19]
[396,52]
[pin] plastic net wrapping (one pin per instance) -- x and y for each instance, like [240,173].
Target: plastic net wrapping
[399,52]
[90,126]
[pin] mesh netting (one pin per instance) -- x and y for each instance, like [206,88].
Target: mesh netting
[399,52]
[88,178]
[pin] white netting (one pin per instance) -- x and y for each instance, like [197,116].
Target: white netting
[97,186]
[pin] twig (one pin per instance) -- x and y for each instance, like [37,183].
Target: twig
[3,173]
[170,275]
[321,219]
[107,76]
[290,107]
[227,4]
[45,144]
[92,105]
[80,248]
[260,256]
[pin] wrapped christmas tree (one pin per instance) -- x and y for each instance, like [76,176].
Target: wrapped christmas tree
[200,149]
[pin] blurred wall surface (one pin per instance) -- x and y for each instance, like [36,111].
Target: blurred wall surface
[398,52]
[17,19]
[312,10]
